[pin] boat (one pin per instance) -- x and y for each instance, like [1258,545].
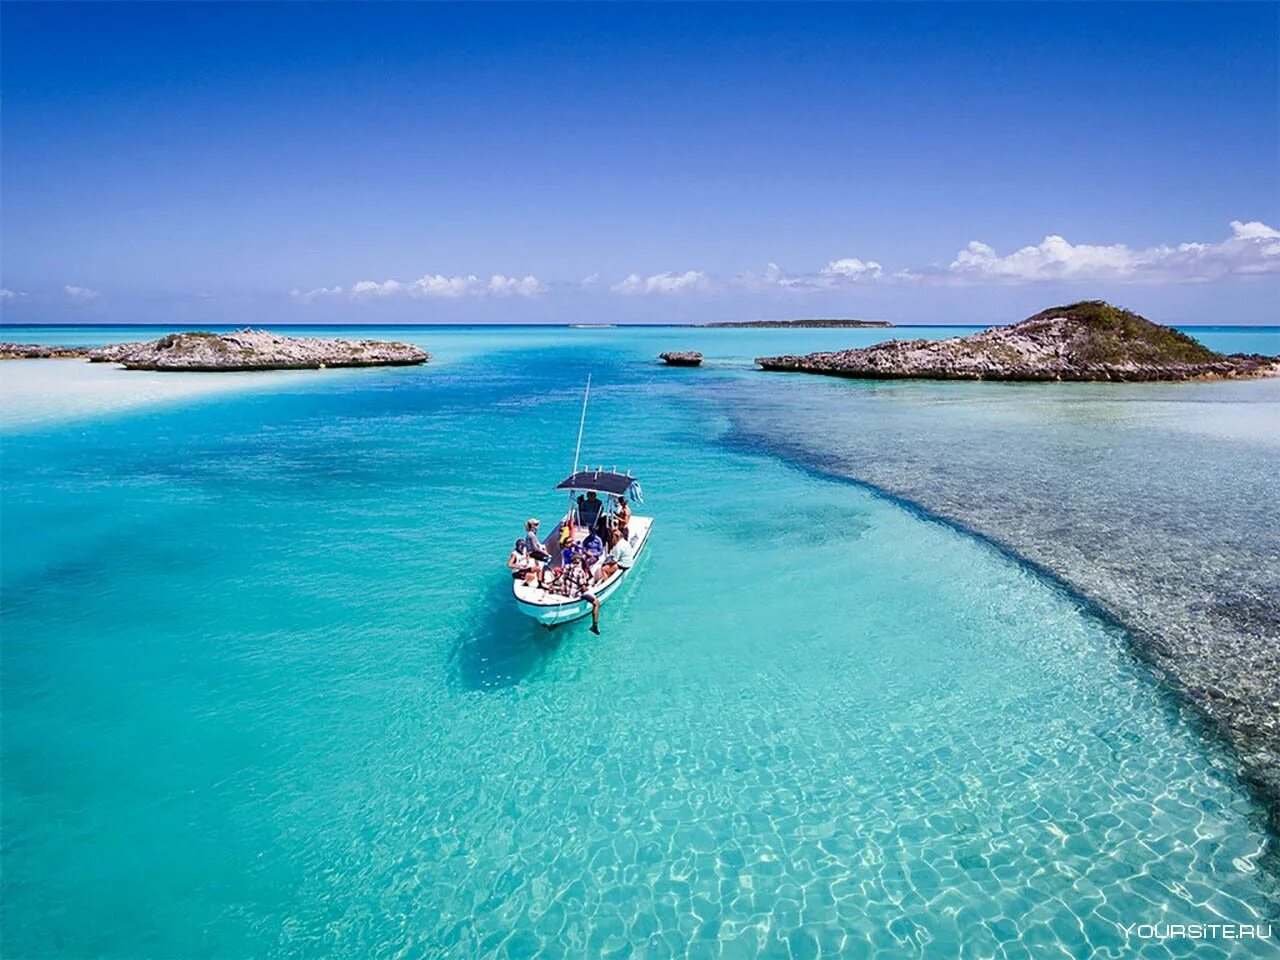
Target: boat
[592,492]
[551,609]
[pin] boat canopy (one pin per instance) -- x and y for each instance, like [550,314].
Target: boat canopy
[601,481]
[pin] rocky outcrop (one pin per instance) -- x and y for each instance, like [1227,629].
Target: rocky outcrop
[255,350]
[115,352]
[681,358]
[41,351]
[1091,340]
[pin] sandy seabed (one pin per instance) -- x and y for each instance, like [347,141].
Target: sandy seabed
[34,393]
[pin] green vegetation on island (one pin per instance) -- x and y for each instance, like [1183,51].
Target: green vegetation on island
[1090,340]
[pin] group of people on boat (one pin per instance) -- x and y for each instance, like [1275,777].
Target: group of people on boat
[584,563]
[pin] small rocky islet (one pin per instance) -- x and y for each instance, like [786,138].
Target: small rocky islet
[681,358]
[1087,341]
[242,350]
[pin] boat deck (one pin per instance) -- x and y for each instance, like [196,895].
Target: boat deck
[537,596]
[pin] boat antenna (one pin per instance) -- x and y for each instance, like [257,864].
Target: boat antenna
[582,423]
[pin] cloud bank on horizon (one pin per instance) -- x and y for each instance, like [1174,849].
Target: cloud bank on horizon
[430,285]
[1252,249]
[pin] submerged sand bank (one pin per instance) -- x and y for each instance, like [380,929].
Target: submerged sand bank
[38,392]
[1155,502]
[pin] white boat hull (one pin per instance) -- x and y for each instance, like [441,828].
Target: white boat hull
[550,609]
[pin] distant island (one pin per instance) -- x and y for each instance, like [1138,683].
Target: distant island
[800,323]
[225,352]
[1091,340]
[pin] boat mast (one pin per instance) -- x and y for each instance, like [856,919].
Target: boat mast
[582,422]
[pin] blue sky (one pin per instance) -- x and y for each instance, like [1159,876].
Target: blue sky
[917,162]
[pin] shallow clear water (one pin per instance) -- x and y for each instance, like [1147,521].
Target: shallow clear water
[1158,501]
[265,692]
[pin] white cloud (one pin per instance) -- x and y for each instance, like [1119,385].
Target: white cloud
[1252,248]
[690,280]
[528,286]
[437,285]
[591,281]
[80,293]
[1054,258]
[306,296]
[7,294]
[1254,230]
[835,275]
[851,268]
[371,288]
[774,276]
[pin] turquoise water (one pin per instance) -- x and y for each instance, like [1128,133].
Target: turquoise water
[1157,501]
[265,693]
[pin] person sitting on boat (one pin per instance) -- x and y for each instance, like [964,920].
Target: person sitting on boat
[593,546]
[621,556]
[575,583]
[568,532]
[533,545]
[522,565]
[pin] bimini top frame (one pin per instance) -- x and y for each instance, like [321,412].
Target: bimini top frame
[602,481]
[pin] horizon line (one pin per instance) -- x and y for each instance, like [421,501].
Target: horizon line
[711,325]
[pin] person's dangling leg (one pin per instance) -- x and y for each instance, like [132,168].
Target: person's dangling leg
[595,611]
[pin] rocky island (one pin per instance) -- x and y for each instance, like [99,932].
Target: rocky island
[681,358]
[1090,340]
[241,350]
[255,350]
